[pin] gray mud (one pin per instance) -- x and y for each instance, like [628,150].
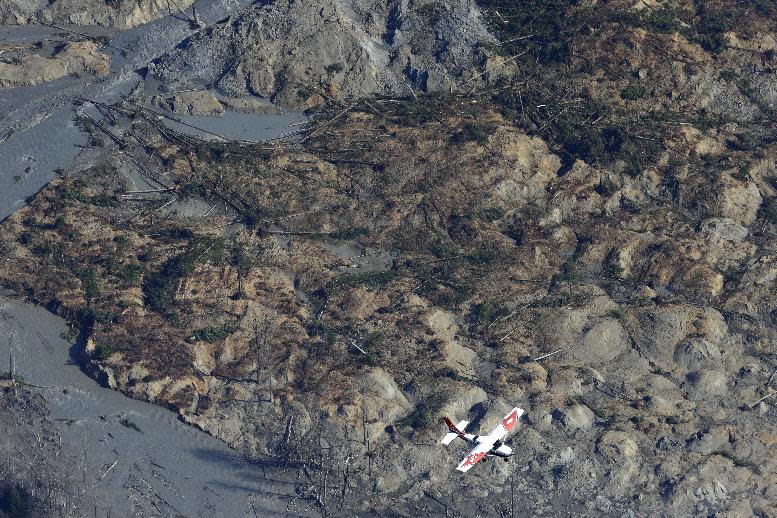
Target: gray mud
[37,133]
[240,126]
[160,459]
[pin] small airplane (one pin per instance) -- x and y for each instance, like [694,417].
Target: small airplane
[484,445]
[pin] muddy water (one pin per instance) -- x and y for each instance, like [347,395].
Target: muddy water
[240,126]
[37,134]
[192,473]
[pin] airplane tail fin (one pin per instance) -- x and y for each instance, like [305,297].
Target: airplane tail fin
[455,431]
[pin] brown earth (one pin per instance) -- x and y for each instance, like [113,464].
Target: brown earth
[74,58]
[121,14]
[591,239]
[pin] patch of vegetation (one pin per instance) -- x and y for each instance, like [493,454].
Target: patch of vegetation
[606,187]
[749,141]
[242,261]
[769,210]
[215,334]
[130,273]
[349,233]
[416,112]
[423,414]
[446,288]
[75,193]
[665,20]
[442,247]
[71,334]
[551,24]
[492,214]
[372,346]
[487,312]
[706,26]
[633,92]
[482,256]
[102,351]
[88,278]
[178,233]
[47,249]
[159,288]
[710,30]
[335,68]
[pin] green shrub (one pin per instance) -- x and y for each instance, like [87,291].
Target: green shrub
[215,334]
[102,351]
[487,312]
[159,288]
[710,31]
[633,92]
[655,20]
[372,348]
[472,132]
[606,187]
[423,414]
[492,214]
[482,256]
[130,273]
[71,334]
[349,233]
[769,210]
[553,24]
[88,277]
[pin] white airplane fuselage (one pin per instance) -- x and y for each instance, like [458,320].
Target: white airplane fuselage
[500,450]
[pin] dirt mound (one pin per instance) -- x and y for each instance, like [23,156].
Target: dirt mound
[69,59]
[303,53]
[121,14]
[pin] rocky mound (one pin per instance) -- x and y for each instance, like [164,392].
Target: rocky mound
[120,14]
[72,58]
[304,53]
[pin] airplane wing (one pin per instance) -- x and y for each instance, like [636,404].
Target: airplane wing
[475,455]
[509,422]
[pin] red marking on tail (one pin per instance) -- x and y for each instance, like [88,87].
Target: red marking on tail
[452,427]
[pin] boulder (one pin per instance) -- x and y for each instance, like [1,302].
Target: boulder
[576,417]
[617,446]
[603,342]
[738,200]
[383,401]
[697,353]
[707,383]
